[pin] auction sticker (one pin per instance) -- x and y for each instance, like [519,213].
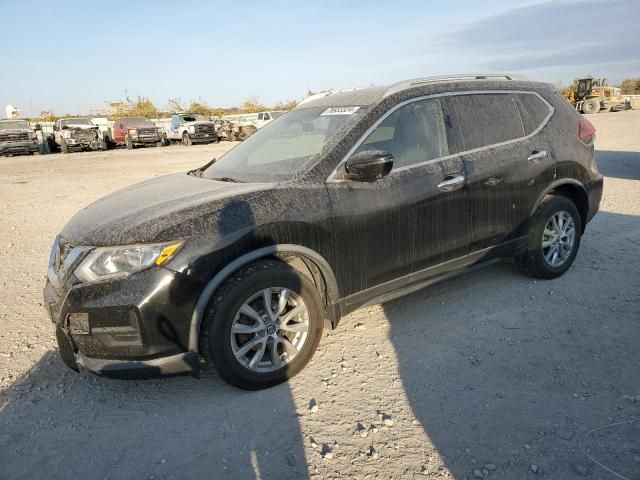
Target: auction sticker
[340,111]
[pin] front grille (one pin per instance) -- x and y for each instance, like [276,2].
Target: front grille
[84,135]
[205,129]
[14,137]
[148,134]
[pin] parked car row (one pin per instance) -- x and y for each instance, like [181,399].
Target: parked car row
[18,137]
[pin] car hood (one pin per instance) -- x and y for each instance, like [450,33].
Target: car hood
[79,127]
[161,209]
[13,131]
[200,122]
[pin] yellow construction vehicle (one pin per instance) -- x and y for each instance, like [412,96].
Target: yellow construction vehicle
[592,95]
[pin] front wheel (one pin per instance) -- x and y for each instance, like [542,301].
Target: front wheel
[263,325]
[186,141]
[554,238]
[591,106]
[128,143]
[64,148]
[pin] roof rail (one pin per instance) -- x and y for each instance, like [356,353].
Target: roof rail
[403,85]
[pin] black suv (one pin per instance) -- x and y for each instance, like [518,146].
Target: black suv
[355,197]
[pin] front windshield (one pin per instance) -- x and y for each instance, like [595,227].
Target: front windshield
[196,117]
[285,146]
[140,121]
[76,121]
[14,125]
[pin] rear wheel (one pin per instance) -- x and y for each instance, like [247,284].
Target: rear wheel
[591,106]
[263,325]
[554,238]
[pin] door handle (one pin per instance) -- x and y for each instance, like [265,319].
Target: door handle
[537,156]
[451,183]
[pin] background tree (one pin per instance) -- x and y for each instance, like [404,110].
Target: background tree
[286,105]
[253,105]
[630,86]
[48,116]
[202,108]
[175,105]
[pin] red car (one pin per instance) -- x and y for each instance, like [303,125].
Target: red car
[134,131]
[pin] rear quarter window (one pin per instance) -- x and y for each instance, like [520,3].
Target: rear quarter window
[533,111]
[487,119]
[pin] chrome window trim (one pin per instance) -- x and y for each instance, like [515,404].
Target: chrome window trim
[332,177]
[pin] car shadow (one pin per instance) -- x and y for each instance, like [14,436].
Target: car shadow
[504,383]
[55,423]
[624,165]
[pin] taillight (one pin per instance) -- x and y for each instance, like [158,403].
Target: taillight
[586,130]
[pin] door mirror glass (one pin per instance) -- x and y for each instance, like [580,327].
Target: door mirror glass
[37,127]
[369,165]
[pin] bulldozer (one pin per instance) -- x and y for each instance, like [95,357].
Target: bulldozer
[593,95]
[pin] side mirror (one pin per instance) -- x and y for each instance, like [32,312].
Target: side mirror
[37,127]
[369,165]
[56,128]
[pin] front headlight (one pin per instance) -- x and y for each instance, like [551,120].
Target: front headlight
[133,132]
[121,261]
[191,128]
[66,133]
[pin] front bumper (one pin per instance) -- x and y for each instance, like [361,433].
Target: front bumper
[23,146]
[203,137]
[594,190]
[136,327]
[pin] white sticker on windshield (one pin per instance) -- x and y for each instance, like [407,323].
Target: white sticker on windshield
[340,111]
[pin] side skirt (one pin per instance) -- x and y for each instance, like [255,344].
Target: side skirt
[429,276]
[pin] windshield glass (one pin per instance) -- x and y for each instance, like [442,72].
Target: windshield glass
[76,121]
[139,121]
[285,146]
[196,117]
[14,125]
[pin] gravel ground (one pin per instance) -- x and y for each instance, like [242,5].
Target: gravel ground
[492,375]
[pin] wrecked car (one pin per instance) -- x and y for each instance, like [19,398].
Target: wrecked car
[78,134]
[190,128]
[17,138]
[353,198]
[234,131]
[136,131]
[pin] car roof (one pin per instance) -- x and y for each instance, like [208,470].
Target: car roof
[372,95]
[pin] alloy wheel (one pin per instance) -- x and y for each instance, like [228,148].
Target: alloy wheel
[558,239]
[269,330]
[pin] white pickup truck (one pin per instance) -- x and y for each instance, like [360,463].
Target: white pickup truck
[77,134]
[190,128]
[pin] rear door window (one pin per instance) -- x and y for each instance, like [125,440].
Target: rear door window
[414,133]
[533,110]
[487,119]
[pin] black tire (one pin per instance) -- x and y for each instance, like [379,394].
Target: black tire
[186,141]
[128,143]
[64,148]
[591,105]
[227,300]
[532,261]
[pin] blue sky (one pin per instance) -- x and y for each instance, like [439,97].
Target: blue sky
[71,56]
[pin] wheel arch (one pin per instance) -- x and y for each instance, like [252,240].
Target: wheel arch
[572,189]
[302,259]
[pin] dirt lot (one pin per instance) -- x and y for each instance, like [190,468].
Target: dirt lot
[492,375]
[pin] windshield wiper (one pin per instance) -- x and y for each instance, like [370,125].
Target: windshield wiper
[227,179]
[200,170]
